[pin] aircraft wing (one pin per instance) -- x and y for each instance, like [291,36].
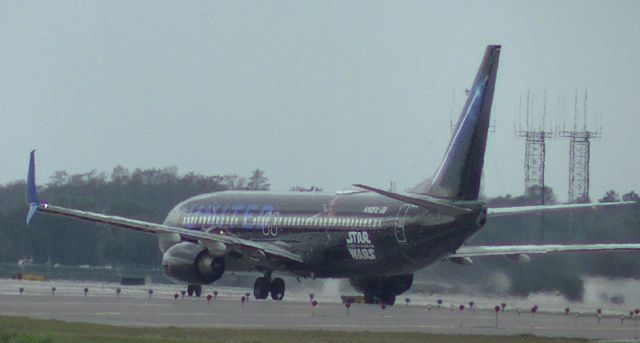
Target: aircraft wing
[510,211]
[514,250]
[223,241]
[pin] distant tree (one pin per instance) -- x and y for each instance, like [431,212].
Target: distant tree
[76,180]
[119,174]
[233,181]
[58,178]
[631,196]
[535,195]
[258,182]
[582,200]
[610,196]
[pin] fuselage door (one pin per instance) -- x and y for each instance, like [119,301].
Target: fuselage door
[274,224]
[401,219]
[268,225]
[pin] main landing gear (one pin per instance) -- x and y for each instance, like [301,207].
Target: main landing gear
[382,289]
[265,285]
[194,289]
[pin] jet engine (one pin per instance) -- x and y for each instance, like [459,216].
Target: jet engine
[192,263]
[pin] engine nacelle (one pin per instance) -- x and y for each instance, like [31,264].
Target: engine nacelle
[192,263]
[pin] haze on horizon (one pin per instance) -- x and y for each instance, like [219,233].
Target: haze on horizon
[326,93]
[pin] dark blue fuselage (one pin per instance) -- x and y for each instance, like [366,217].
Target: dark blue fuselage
[342,235]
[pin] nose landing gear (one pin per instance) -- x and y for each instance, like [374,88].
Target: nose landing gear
[265,286]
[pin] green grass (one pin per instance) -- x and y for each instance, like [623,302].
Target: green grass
[24,330]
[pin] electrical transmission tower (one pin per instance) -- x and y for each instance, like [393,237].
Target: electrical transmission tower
[535,151]
[580,155]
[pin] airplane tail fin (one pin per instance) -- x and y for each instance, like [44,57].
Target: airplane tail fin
[458,177]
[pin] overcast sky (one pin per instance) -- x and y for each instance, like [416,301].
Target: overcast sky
[324,93]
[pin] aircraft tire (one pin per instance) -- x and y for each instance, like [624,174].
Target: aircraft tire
[261,288]
[277,289]
[197,290]
[190,290]
[370,298]
[388,298]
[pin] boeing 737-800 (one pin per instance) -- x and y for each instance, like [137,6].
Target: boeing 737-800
[376,238]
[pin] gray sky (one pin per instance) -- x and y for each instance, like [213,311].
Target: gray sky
[327,93]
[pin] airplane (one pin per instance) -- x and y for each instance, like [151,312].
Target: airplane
[375,238]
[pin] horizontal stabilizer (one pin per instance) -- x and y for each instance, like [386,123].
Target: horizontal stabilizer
[511,211]
[421,201]
[506,250]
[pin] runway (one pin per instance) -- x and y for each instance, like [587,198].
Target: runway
[134,307]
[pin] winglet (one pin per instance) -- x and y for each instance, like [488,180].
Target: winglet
[32,193]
